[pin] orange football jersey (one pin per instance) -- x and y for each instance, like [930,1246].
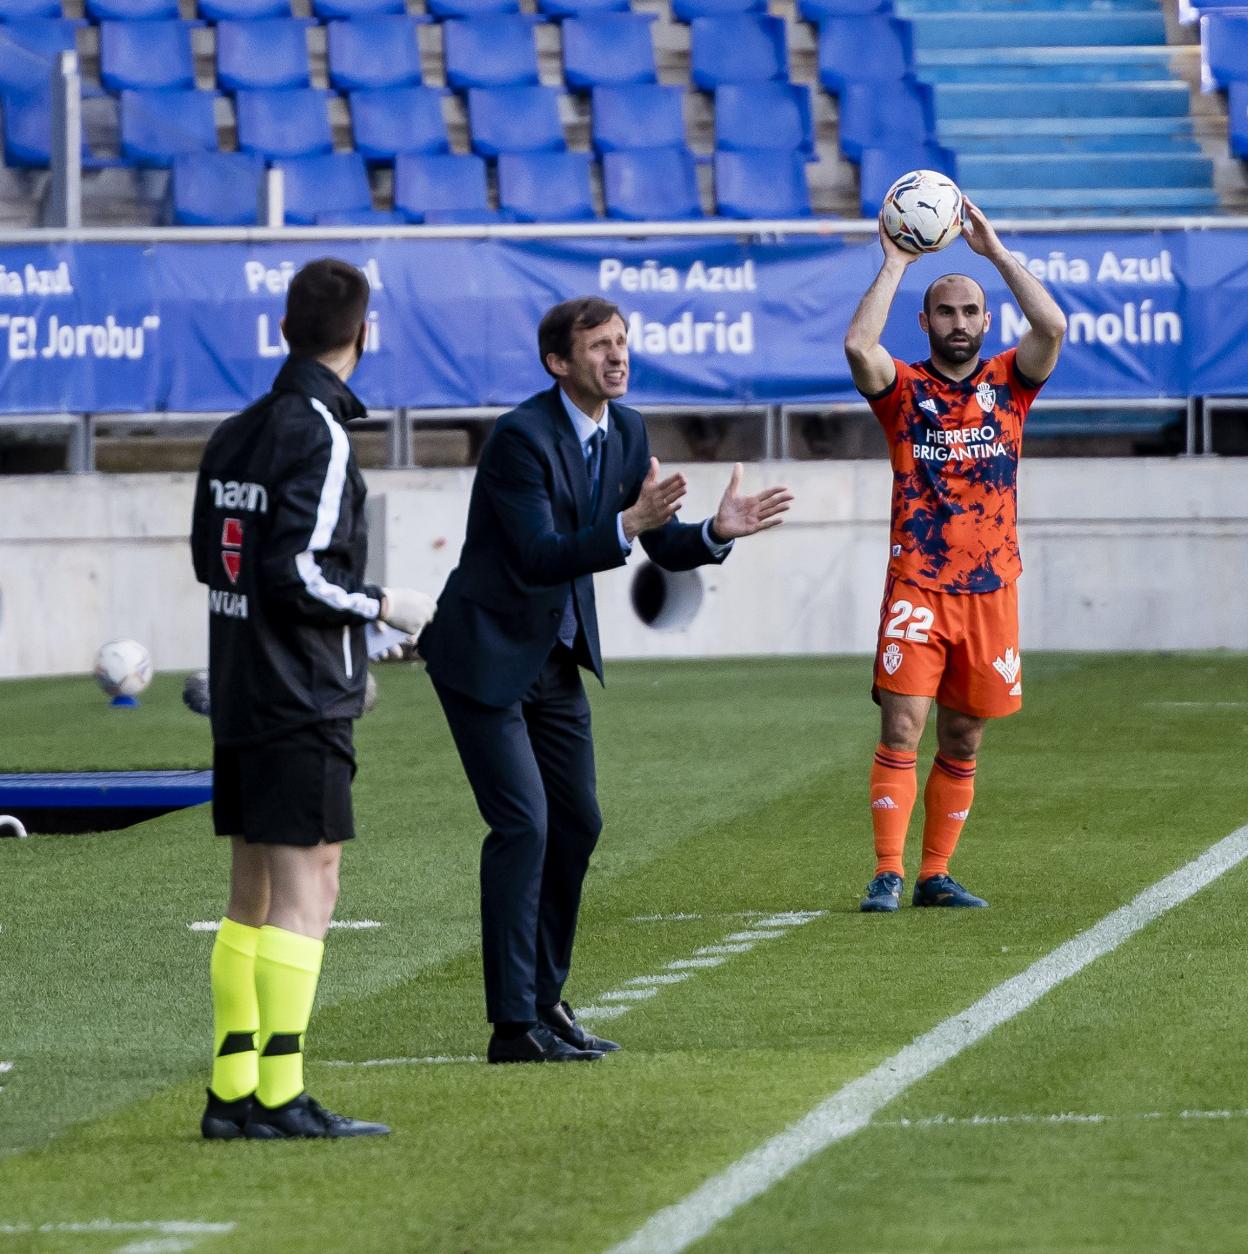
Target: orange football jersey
[954,448]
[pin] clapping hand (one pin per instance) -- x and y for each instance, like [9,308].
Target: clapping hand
[657,503]
[739,515]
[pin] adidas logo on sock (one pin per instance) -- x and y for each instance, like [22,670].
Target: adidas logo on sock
[884,803]
[960,815]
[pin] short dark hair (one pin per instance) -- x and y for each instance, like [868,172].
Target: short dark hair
[326,304]
[935,283]
[555,331]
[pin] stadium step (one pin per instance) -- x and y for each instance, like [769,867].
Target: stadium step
[1157,127]
[1123,170]
[1012,29]
[1050,65]
[912,8]
[1169,98]
[1025,202]
[1057,142]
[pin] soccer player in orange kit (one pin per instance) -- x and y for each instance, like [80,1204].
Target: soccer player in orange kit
[949,620]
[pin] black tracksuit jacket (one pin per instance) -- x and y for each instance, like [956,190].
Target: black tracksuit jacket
[280,537]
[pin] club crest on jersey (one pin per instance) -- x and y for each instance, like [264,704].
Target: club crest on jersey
[986,395]
[891,658]
[1008,667]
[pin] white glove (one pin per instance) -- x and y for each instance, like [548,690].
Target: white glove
[407,609]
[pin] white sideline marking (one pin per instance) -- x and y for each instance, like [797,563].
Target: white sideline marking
[602,1012]
[756,936]
[743,948]
[1064,1117]
[630,994]
[673,977]
[849,1109]
[790,918]
[6,1066]
[190,1232]
[402,1062]
[684,964]
[158,1245]
[349,925]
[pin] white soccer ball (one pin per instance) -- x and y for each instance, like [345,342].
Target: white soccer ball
[922,211]
[123,668]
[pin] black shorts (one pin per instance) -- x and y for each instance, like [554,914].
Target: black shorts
[292,791]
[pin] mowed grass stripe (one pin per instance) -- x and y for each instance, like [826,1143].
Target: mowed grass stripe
[850,1109]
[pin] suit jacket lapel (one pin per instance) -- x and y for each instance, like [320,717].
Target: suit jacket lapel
[571,455]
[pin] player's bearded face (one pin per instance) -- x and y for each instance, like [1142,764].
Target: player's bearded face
[958,344]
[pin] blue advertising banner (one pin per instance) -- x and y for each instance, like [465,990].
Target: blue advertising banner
[196,327]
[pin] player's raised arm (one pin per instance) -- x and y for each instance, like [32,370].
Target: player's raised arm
[1041,343]
[870,363]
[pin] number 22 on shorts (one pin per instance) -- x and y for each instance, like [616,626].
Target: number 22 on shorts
[908,622]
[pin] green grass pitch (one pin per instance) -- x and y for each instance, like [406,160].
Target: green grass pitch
[731,790]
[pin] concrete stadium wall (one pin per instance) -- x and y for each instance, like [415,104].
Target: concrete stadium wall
[1119,554]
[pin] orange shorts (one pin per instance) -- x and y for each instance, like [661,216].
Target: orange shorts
[960,648]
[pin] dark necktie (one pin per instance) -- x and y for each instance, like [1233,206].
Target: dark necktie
[593,468]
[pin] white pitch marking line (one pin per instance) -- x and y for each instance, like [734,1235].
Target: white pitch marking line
[159,1245]
[630,994]
[743,948]
[682,964]
[1065,1117]
[602,1012]
[348,925]
[402,1062]
[165,1227]
[791,918]
[850,1109]
[673,977]
[755,936]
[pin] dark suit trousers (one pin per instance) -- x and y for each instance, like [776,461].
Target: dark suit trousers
[531,768]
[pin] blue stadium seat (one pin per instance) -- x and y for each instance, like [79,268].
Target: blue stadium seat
[764,115]
[687,10]
[146,56]
[1237,115]
[490,52]
[28,50]
[1224,48]
[28,129]
[25,10]
[335,10]
[822,10]
[882,167]
[361,217]
[391,120]
[545,186]
[288,122]
[264,54]
[852,49]
[131,10]
[514,119]
[744,48]
[761,183]
[559,9]
[440,184]
[879,116]
[641,115]
[444,10]
[157,126]
[243,10]
[333,182]
[651,185]
[608,48]
[373,52]
[215,189]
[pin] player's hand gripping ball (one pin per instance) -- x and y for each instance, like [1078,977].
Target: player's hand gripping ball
[922,211]
[123,668]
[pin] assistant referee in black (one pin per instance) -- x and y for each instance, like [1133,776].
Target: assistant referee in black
[279,536]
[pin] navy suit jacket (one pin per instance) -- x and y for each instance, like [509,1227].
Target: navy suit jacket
[530,538]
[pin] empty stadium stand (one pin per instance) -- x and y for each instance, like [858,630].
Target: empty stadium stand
[1037,107]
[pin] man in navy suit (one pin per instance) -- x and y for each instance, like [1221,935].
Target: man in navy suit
[564,486]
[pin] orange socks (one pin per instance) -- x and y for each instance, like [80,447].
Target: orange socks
[894,787]
[946,803]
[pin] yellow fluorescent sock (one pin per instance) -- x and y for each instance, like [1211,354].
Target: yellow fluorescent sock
[287,968]
[235,1016]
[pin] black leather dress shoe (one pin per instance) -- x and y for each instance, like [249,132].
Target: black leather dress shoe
[304,1117]
[538,1044]
[562,1022]
[224,1121]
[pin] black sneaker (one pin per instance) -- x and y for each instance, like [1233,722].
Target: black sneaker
[224,1121]
[883,894]
[562,1022]
[538,1044]
[304,1116]
[944,890]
